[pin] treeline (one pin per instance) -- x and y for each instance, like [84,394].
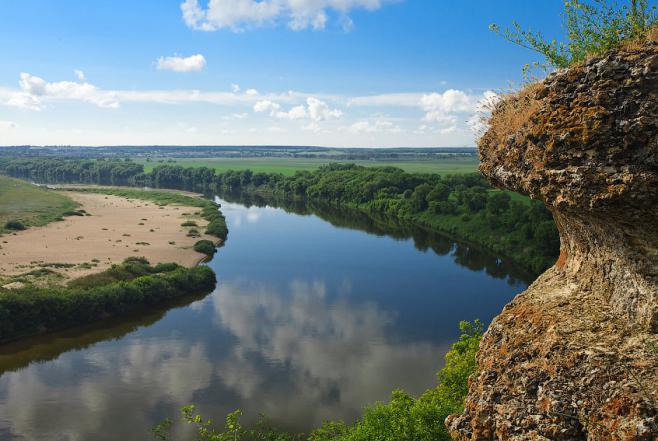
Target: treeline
[121,289]
[79,171]
[464,206]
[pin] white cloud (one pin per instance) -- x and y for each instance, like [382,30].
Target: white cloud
[239,15]
[266,106]
[193,63]
[440,107]
[320,111]
[80,75]
[235,88]
[297,112]
[251,92]
[34,90]
[448,130]
[315,110]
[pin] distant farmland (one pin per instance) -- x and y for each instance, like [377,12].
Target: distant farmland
[288,166]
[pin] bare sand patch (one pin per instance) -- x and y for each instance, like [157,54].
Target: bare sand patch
[118,228]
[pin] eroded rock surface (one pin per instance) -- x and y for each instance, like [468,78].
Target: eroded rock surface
[576,355]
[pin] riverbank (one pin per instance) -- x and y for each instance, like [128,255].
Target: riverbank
[115,229]
[125,250]
[453,226]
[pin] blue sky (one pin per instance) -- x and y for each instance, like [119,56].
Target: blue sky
[353,73]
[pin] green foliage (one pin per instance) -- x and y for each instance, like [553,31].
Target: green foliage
[593,27]
[403,418]
[189,224]
[14,225]
[464,205]
[205,247]
[122,288]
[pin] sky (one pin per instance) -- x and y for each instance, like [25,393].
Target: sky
[343,73]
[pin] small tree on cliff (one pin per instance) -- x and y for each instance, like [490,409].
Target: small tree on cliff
[593,27]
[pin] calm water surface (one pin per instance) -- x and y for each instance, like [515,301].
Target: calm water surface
[310,321]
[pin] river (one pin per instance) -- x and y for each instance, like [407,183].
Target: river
[313,317]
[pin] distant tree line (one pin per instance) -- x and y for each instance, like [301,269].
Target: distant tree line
[80,171]
[465,206]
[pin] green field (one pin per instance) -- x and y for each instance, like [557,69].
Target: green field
[31,205]
[288,166]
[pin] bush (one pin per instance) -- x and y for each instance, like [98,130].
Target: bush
[189,224]
[593,27]
[205,247]
[15,225]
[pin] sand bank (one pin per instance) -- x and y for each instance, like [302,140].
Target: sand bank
[117,228]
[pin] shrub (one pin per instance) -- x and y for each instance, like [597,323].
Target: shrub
[593,27]
[189,224]
[15,225]
[205,247]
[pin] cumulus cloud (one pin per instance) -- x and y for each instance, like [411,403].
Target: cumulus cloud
[297,112]
[235,88]
[316,110]
[34,90]
[239,15]
[251,92]
[320,111]
[193,63]
[440,107]
[266,106]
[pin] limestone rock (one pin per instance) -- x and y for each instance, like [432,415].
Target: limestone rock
[575,356]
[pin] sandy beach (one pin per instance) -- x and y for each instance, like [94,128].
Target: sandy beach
[117,228]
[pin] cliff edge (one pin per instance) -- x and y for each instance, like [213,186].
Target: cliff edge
[575,356]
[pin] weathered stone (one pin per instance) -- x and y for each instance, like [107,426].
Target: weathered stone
[575,356]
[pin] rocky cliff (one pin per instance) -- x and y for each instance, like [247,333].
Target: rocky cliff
[575,356]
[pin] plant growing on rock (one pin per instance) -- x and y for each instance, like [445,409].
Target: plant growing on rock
[593,27]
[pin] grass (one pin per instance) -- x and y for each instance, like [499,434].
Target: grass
[31,205]
[289,166]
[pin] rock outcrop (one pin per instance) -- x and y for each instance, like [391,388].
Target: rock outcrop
[575,356]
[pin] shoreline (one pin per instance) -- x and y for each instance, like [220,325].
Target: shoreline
[116,228]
